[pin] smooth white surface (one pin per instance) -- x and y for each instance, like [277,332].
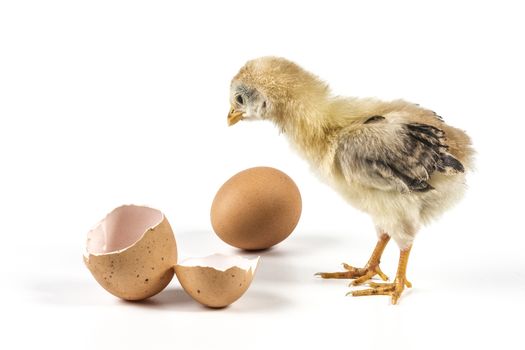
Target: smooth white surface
[104,103]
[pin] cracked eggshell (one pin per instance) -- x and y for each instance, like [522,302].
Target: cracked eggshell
[131,253]
[216,280]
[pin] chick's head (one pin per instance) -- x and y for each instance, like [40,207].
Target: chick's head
[270,87]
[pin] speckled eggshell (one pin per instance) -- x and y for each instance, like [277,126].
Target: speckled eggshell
[140,270]
[214,288]
[256,208]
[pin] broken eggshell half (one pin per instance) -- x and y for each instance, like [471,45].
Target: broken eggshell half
[216,280]
[131,253]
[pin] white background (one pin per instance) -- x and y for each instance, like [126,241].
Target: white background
[104,103]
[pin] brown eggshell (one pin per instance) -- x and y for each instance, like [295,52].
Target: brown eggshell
[131,253]
[216,286]
[256,208]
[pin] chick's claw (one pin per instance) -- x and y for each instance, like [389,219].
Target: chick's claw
[394,289]
[360,275]
[339,275]
[371,271]
[351,272]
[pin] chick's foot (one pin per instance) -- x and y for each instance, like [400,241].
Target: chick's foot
[360,275]
[394,289]
[366,273]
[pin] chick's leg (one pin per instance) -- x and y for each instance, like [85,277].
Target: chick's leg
[393,289]
[363,274]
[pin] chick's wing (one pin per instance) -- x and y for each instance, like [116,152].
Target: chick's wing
[394,156]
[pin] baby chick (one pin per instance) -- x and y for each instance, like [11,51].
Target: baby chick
[396,161]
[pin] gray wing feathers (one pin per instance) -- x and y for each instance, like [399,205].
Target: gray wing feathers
[399,157]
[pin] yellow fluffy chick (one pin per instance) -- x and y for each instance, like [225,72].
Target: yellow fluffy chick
[396,161]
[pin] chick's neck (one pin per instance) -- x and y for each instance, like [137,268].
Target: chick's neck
[311,125]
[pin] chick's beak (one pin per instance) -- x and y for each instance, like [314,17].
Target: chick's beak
[234,116]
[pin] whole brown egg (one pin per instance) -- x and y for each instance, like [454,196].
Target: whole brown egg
[256,208]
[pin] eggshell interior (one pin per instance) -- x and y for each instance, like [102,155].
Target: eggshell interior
[216,280]
[131,252]
[122,228]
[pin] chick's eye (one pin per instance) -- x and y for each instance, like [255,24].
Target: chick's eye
[239,99]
